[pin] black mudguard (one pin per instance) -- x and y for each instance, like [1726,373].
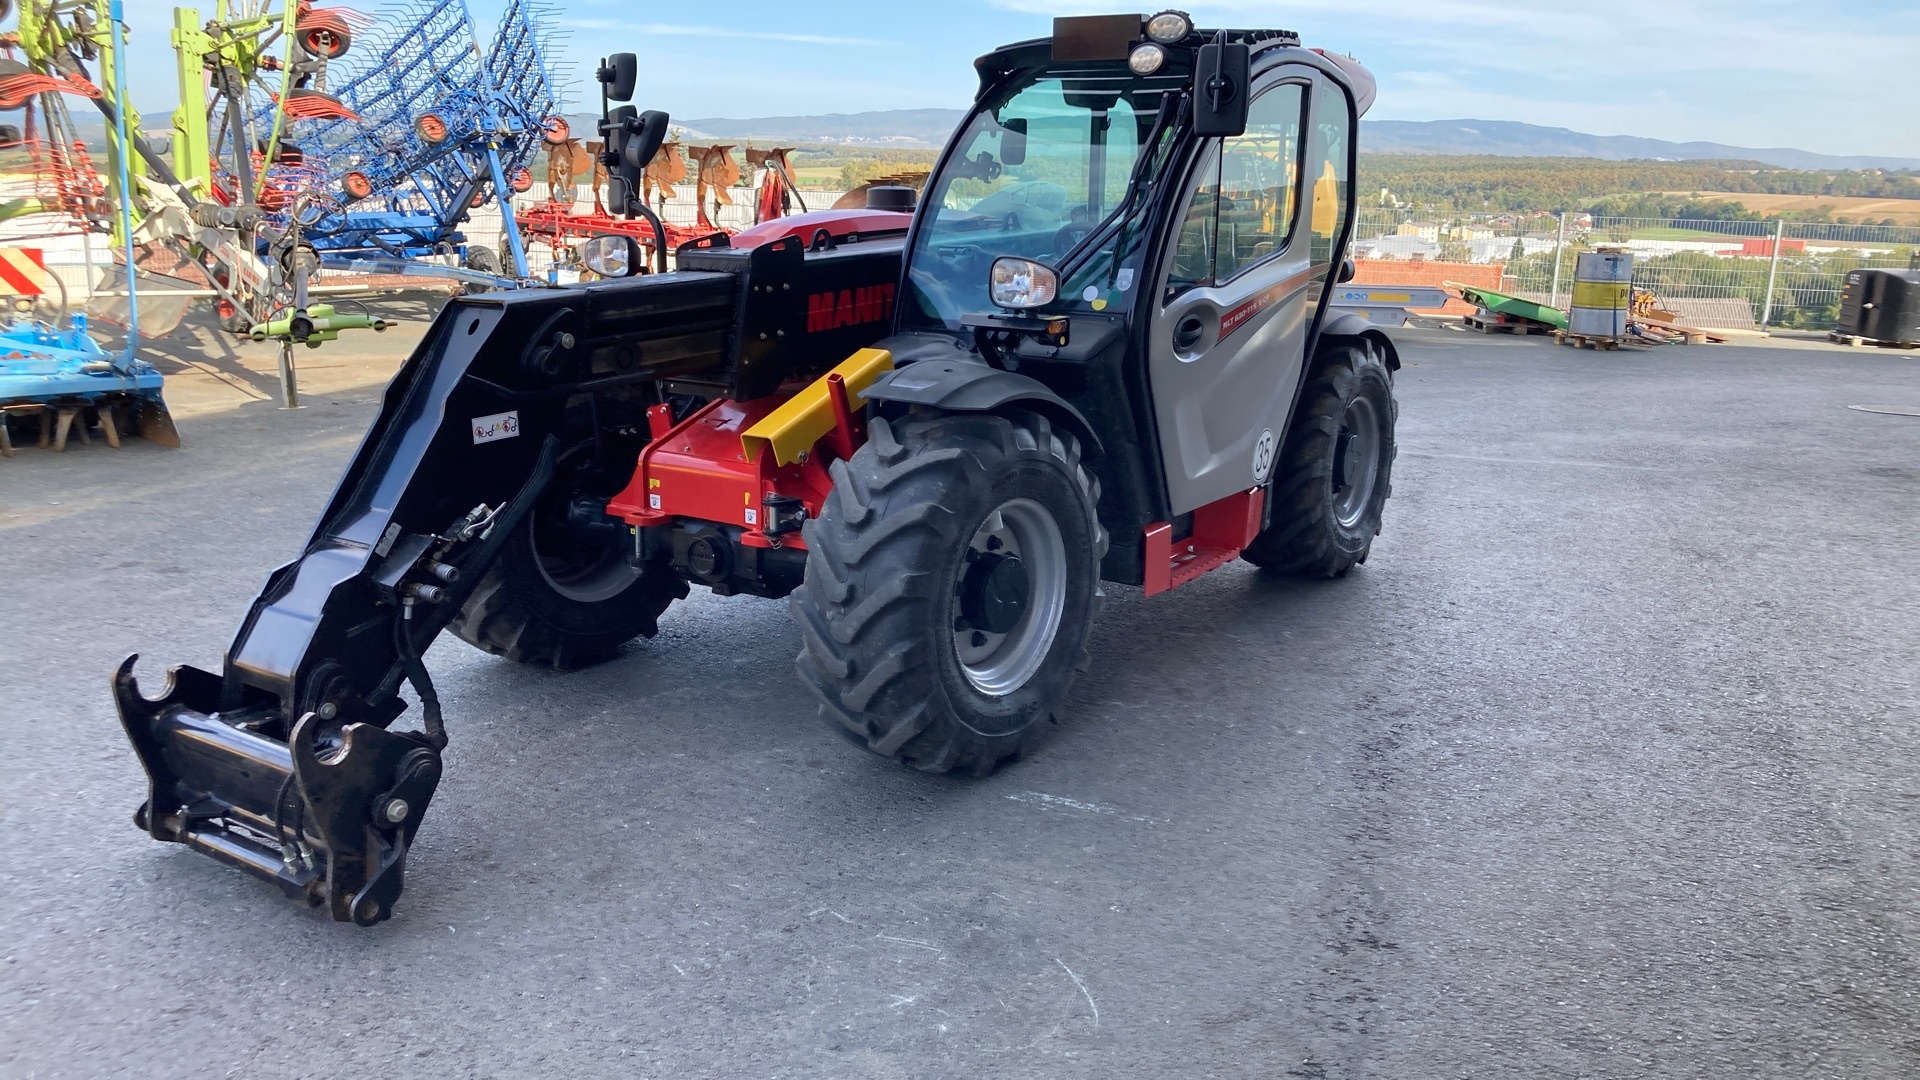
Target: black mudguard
[1352,325]
[964,383]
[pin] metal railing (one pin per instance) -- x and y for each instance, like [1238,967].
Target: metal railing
[1739,275]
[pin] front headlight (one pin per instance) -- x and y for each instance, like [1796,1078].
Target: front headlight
[1019,284]
[611,256]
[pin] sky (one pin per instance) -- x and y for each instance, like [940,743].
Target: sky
[1815,75]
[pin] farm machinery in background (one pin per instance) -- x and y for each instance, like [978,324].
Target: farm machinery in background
[716,174]
[50,365]
[441,125]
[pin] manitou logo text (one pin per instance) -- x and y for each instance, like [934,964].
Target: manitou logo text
[849,307]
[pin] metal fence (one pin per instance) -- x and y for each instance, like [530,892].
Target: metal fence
[1739,275]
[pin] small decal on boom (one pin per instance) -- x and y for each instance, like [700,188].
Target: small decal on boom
[504,425]
[849,307]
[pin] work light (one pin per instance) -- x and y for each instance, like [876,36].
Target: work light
[1146,58]
[1169,27]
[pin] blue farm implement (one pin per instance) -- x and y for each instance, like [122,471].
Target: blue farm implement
[441,126]
[51,368]
[65,380]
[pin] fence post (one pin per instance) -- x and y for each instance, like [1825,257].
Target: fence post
[1773,274]
[1559,243]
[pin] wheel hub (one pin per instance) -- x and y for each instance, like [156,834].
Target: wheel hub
[994,593]
[1356,462]
[1009,597]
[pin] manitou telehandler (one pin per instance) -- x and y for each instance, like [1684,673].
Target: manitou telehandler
[1096,350]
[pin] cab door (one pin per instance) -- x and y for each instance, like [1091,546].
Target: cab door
[1236,296]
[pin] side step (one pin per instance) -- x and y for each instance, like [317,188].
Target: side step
[1221,531]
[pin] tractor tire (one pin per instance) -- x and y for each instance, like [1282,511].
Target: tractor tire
[952,578]
[1335,473]
[555,604]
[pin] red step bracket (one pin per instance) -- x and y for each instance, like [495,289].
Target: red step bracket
[1221,531]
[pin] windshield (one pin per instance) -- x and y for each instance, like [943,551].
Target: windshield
[1032,174]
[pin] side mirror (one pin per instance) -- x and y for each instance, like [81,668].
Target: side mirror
[633,138]
[1013,142]
[618,73]
[1222,77]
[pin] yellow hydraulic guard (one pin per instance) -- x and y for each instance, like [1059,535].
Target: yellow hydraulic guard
[805,419]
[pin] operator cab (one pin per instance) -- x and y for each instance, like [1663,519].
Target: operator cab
[1145,217]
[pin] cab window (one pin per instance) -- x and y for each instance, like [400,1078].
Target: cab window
[1329,171]
[1242,211]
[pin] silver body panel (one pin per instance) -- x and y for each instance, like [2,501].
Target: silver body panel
[1222,405]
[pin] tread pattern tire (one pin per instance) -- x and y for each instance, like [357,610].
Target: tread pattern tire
[876,610]
[516,612]
[1306,538]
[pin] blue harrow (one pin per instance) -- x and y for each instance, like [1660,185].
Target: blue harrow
[441,128]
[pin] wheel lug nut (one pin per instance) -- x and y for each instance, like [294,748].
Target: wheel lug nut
[397,810]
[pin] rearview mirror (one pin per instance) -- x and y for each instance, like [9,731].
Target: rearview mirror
[618,73]
[1221,76]
[633,138]
[1013,142]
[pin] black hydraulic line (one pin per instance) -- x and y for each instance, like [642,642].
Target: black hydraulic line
[417,676]
[659,230]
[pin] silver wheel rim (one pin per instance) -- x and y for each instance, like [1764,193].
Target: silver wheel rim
[999,664]
[585,577]
[1357,464]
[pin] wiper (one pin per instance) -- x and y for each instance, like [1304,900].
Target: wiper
[1170,107]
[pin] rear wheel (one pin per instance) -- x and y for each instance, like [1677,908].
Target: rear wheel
[553,600]
[1335,473]
[951,580]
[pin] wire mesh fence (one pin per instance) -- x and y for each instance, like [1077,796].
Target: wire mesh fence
[1736,275]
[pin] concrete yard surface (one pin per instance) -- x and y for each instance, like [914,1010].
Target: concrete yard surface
[1606,764]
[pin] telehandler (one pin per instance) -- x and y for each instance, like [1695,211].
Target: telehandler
[1096,350]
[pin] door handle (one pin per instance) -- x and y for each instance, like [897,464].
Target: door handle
[1187,333]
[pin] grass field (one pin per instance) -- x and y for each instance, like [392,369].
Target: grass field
[1901,211]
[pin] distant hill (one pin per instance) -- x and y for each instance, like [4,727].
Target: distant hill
[1506,138]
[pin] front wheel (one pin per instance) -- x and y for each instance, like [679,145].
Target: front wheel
[951,580]
[1331,483]
[554,601]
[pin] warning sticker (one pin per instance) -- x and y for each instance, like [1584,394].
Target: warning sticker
[499,426]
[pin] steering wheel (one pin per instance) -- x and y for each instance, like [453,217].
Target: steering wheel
[1070,234]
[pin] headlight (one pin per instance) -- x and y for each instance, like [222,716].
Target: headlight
[611,256]
[1145,59]
[1022,283]
[1169,27]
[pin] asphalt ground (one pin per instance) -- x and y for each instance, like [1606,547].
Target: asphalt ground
[1604,765]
